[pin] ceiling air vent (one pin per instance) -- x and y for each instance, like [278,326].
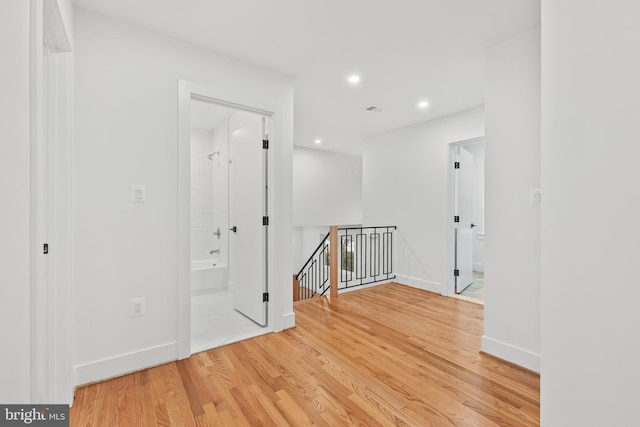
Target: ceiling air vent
[373,108]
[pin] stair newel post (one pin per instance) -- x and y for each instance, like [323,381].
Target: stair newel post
[333,261]
[296,288]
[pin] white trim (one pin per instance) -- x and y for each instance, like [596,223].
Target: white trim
[288,320]
[51,105]
[510,353]
[59,180]
[184,221]
[125,363]
[414,282]
[38,327]
[368,285]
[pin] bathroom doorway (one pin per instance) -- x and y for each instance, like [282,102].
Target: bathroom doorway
[228,238]
[467,229]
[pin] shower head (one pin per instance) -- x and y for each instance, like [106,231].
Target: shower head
[210,156]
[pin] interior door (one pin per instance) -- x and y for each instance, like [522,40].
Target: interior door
[463,218]
[247,207]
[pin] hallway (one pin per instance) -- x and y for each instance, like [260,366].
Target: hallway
[386,355]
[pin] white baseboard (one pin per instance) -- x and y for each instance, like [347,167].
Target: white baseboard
[288,320]
[477,266]
[125,363]
[419,283]
[368,285]
[511,353]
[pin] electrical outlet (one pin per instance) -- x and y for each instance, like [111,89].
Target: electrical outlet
[137,307]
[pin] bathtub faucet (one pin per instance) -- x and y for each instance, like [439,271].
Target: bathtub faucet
[214,251]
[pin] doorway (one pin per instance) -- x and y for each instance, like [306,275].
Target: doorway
[228,201]
[467,229]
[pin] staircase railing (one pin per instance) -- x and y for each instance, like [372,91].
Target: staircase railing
[313,277]
[364,256]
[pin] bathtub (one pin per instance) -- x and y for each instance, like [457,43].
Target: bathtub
[208,276]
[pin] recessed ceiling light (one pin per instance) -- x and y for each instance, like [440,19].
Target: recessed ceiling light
[318,141]
[354,79]
[423,104]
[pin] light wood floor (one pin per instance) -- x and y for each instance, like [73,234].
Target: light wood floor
[387,355]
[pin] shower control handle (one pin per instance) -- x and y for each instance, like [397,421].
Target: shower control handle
[234,229]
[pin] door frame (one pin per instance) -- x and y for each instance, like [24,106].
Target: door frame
[51,111]
[186,92]
[450,288]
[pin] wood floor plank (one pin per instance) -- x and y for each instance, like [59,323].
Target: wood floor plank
[382,356]
[210,417]
[290,410]
[276,418]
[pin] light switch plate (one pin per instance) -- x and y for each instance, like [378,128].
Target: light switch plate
[535,197]
[138,193]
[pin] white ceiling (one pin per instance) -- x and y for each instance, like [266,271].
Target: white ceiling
[404,50]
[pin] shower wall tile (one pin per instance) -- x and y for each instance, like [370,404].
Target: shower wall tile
[209,194]
[221,191]
[201,195]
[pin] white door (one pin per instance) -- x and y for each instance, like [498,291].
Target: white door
[464,218]
[247,207]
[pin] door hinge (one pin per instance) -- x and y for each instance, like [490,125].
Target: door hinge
[265,297]
[265,220]
[45,248]
[456,165]
[265,144]
[456,273]
[456,218]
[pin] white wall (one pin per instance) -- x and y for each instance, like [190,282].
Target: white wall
[126,133]
[512,242]
[327,188]
[405,183]
[590,241]
[305,241]
[14,193]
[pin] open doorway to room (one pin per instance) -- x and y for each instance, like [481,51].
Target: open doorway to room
[228,243]
[467,170]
